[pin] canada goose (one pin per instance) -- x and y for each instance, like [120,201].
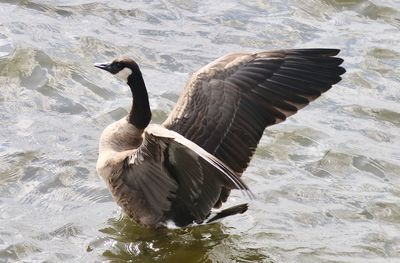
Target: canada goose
[180,170]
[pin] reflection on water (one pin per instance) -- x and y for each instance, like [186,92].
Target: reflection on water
[207,243]
[326,180]
[124,241]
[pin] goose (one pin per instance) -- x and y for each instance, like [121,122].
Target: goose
[177,172]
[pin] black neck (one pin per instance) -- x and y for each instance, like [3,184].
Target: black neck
[140,114]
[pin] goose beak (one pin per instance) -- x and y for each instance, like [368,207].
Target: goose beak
[104,66]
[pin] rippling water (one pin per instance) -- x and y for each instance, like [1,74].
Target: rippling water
[326,181]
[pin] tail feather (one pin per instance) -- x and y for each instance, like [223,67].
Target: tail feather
[237,209]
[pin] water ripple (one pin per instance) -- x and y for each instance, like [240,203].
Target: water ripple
[326,180]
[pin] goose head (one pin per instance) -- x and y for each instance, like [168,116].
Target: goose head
[121,67]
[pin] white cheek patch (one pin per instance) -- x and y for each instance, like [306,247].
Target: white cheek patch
[124,74]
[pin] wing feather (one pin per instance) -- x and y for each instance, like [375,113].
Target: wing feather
[173,178]
[227,104]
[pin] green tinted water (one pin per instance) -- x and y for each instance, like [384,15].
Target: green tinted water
[326,181]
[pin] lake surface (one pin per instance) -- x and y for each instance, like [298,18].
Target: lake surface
[326,181]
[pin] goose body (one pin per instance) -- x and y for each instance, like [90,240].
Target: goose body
[180,170]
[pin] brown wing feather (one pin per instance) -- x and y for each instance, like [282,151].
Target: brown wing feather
[171,178]
[227,104]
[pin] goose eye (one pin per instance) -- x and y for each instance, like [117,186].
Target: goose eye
[116,66]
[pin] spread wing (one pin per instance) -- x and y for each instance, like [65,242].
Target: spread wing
[174,178]
[227,104]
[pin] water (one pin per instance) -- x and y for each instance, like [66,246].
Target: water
[326,181]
